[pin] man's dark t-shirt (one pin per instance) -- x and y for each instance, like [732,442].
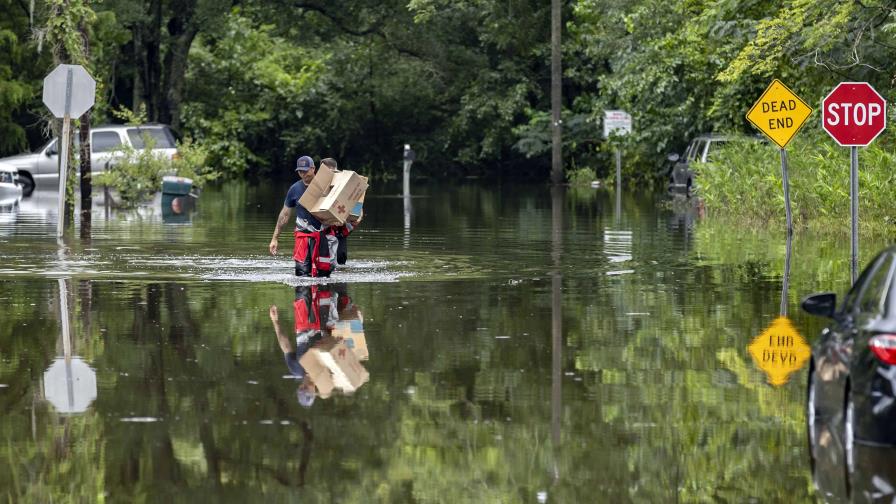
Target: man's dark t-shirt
[304,220]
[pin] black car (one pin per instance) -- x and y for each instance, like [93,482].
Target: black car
[873,474]
[852,373]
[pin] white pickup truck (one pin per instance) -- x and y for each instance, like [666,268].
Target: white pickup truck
[41,168]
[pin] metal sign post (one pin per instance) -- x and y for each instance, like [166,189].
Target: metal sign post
[618,183]
[64,142]
[409,157]
[786,183]
[780,113]
[69,91]
[854,208]
[617,122]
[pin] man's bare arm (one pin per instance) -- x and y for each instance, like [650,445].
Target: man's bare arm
[282,220]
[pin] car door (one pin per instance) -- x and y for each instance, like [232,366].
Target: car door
[47,168]
[103,146]
[48,161]
[861,307]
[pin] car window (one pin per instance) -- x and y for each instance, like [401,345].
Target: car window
[6,177]
[52,148]
[851,301]
[697,153]
[161,137]
[873,293]
[105,141]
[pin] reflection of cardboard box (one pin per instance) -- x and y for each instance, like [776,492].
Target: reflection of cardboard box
[350,328]
[331,196]
[351,332]
[331,364]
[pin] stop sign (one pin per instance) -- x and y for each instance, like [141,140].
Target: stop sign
[854,114]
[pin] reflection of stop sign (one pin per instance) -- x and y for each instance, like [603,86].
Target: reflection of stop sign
[854,114]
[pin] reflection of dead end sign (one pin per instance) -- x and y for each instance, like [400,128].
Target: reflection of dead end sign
[70,386]
[779,351]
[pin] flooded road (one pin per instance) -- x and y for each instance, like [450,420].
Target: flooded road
[518,346]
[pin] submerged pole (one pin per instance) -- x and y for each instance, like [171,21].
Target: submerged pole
[786,183]
[409,157]
[63,173]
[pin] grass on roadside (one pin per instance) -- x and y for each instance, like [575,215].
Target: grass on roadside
[743,183]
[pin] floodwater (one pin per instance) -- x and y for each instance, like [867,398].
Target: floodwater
[522,345]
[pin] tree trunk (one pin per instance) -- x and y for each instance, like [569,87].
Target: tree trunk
[139,69]
[151,35]
[86,182]
[182,30]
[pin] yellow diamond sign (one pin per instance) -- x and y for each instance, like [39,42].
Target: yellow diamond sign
[779,113]
[779,351]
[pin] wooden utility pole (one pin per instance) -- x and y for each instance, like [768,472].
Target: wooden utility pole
[556,95]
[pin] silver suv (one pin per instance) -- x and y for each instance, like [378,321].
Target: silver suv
[41,168]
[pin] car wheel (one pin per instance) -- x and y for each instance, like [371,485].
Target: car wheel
[27,183]
[849,432]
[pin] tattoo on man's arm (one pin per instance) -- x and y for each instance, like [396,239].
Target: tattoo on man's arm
[281,221]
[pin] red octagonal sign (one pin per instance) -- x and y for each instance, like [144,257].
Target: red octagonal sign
[854,114]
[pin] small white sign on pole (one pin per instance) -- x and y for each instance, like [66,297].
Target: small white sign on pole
[617,122]
[69,91]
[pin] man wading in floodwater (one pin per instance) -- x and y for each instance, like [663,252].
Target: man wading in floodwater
[315,246]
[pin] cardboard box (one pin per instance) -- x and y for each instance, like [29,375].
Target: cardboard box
[357,211]
[331,196]
[332,365]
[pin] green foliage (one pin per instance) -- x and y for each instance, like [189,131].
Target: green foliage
[581,177]
[20,75]
[465,82]
[137,174]
[250,87]
[745,182]
[131,117]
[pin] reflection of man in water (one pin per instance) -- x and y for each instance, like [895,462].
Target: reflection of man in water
[315,316]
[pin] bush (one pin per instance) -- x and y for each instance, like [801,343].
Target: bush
[744,181]
[137,173]
[581,177]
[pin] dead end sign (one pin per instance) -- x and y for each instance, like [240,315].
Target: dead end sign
[779,113]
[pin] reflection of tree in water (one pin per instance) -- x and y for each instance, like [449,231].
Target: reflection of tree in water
[667,407]
[695,421]
[172,341]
